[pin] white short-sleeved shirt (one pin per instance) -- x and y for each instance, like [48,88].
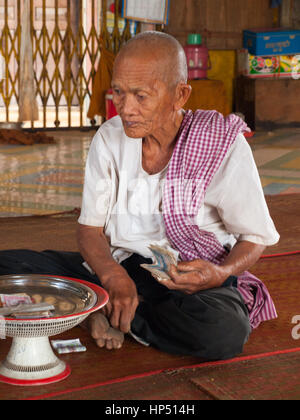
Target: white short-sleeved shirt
[122,197]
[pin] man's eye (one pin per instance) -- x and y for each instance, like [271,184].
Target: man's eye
[141,97]
[116,91]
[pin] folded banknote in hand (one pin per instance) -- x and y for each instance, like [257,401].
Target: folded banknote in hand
[163,259]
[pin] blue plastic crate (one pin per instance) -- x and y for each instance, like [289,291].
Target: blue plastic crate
[272,41]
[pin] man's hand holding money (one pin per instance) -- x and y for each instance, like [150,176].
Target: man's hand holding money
[194,276]
[188,277]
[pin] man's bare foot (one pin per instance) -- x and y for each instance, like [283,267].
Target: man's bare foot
[104,335]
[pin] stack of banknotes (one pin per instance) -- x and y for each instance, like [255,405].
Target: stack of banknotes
[21,306]
[68,346]
[163,259]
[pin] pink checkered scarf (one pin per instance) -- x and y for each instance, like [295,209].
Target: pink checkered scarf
[203,141]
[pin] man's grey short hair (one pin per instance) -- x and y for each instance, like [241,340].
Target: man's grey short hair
[165,47]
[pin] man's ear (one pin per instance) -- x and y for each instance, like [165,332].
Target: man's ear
[183,92]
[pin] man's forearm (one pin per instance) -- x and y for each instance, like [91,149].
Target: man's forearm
[242,257]
[95,249]
[123,297]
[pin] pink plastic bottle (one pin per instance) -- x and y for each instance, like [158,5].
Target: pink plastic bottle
[197,57]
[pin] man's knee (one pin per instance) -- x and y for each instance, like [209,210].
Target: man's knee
[222,324]
[223,339]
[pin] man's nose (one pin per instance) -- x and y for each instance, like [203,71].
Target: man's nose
[129,105]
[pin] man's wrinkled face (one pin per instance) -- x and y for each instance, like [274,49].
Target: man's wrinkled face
[141,98]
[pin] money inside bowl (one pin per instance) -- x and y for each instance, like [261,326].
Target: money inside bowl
[67,297]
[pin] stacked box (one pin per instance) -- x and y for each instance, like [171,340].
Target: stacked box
[272,42]
[270,53]
[290,66]
[256,66]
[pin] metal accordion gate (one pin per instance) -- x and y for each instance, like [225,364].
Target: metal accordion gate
[65,37]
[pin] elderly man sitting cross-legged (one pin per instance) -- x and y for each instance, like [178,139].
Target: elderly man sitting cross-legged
[157,174]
